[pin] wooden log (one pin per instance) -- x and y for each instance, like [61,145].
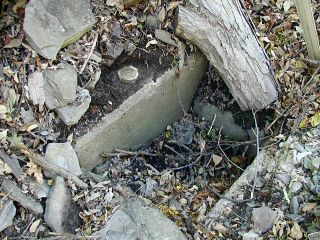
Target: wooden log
[221,31]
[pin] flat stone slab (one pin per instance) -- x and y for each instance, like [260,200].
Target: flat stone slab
[50,25]
[137,220]
[145,114]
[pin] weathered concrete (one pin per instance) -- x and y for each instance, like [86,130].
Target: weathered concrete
[144,115]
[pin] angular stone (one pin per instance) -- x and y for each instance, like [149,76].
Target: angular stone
[63,155]
[263,219]
[60,86]
[145,114]
[17,195]
[7,213]
[61,214]
[251,236]
[72,113]
[136,220]
[39,190]
[51,25]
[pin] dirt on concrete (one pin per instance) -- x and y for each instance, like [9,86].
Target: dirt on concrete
[109,92]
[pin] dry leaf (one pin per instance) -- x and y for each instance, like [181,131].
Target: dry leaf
[34,226]
[315,119]
[35,170]
[4,168]
[295,232]
[152,42]
[14,43]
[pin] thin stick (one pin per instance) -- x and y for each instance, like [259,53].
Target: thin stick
[211,126]
[121,152]
[170,148]
[256,133]
[224,154]
[53,168]
[227,198]
[90,53]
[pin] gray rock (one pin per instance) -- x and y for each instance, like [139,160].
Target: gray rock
[63,155]
[287,167]
[60,86]
[51,25]
[39,190]
[17,195]
[72,113]
[7,213]
[294,205]
[61,214]
[285,178]
[295,187]
[263,219]
[152,22]
[314,236]
[183,132]
[251,236]
[136,220]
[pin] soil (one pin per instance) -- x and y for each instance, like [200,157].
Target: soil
[110,92]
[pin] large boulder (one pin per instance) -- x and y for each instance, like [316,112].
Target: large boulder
[50,25]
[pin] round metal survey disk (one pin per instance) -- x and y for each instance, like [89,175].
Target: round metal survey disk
[128,74]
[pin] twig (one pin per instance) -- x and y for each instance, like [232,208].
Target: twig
[90,53]
[310,80]
[170,148]
[211,126]
[256,133]
[227,198]
[182,167]
[224,154]
[120,152]
[278,117]
[53,168]
[180,145]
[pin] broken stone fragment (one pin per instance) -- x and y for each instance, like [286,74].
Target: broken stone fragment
[39,190]
[128,74]
[52,25]
[17,195]
[152,22]
[60,86]
[61,214]
[263,219]
[72,113]
[63,155]
[136,220]
[7,213]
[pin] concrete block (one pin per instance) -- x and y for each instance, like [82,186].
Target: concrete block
[145,114]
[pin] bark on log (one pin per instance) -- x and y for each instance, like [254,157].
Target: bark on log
[221,31]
